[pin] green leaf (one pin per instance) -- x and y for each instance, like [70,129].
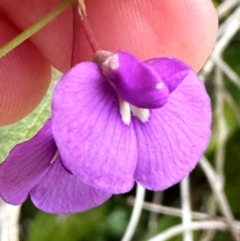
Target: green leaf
[27,127]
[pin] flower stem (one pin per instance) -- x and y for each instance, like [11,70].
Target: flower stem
[31,30]
[87,29]
[76,36]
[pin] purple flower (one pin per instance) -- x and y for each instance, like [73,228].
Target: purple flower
[114,122]
[121,120]
[35,167]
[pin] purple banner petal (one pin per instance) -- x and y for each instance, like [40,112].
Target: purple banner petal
[26,165]
[93,141]
[171,143]
[63,193]
[135,81]
[172,71]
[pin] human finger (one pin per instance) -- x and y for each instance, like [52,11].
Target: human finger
[24,76]
[181,29]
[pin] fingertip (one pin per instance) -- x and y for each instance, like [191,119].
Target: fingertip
[182,29]
[24,77]
[54,41]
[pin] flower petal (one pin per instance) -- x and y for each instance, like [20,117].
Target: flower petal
[26,165]
[173,140]
[93,141]
[172,71]
[63,193]
[135,81]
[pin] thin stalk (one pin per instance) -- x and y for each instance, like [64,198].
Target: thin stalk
[87,28]
[157,199]
[178,229]
[76,36]
[136,213]
[42,22]
[9,217]
[186,207]
[217,187]
[179,212]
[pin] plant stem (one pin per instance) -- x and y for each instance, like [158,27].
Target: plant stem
[42,22]
[186,208]
[136,213]
[76,36]
[88,30]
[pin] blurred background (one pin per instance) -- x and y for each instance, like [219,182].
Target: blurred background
[205,206]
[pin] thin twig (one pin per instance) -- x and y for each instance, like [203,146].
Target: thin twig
[136,213]
[228,35]
[216,186]
[208,235]
[230,101]
[220,145]
[227,23]
[221,125]
[228,71]
[157,198]
[226,6]
[9,217]
[186,207]
[178,229]
[229,26]
[178,212]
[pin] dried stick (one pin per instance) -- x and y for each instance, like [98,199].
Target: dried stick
[179,212]
[220,147]
[226,6]
[9,217]
[228,71]
[221,125]
[186,207]
[226,31]
[157,198]
[216,186]
[136,213]
[171,232]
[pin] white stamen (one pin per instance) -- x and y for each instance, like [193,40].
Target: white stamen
[54,157]
[125,111]
[142,114]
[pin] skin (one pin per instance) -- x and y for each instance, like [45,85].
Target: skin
[183,29]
